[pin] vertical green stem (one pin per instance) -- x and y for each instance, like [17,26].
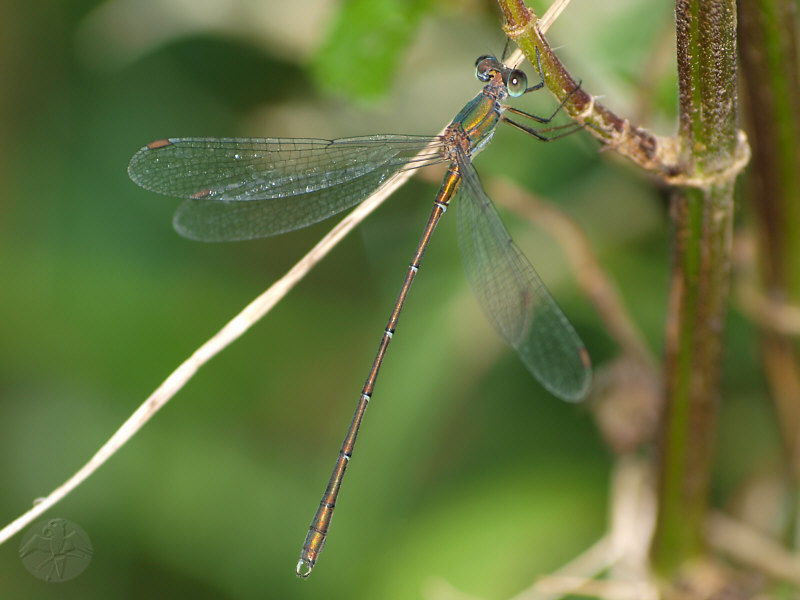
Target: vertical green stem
[769,41]
[702,214]
[703,163]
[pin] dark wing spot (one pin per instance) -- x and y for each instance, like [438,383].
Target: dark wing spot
[202,194]
[159,144]
[584,357]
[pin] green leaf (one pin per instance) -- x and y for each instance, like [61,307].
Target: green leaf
[363,48]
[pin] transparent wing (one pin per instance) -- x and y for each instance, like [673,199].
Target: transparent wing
[244,188]
[513,296]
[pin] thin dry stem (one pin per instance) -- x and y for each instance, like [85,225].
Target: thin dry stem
[603,589]
[235,328]
[749,547]
[553,12]
[545,23]
[622,552]
[769,313]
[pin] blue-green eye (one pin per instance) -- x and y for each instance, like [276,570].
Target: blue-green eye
[484,67]
[517,83]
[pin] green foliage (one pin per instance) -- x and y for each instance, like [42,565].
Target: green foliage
[365,43]
[466,471]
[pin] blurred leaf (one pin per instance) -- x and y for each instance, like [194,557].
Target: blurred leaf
[364,46]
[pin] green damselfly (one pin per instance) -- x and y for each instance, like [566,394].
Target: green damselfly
[246,188]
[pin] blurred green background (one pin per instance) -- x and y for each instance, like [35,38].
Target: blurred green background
[466,473]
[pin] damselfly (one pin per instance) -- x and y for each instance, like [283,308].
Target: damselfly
[245,188]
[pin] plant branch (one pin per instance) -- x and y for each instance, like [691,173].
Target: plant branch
[752,548]
[768,37]
[711,153]
[702,162]
[653,153]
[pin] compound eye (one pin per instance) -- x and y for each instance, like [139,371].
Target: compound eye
[517,83]
[484,67]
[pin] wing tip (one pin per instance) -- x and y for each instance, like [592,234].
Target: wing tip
[577,387]
[581,391]
[137,158]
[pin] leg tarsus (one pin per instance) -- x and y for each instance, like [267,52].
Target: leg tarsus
[537,133]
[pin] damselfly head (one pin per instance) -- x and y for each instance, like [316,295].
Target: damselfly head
[516,81]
